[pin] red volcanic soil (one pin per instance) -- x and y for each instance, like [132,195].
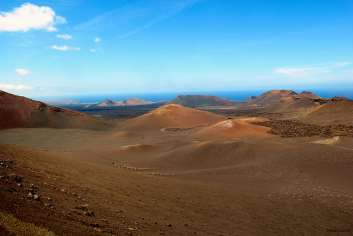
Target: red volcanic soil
[234,129]
[334,112]
[16,112]
[307,94]
[273,97]
[172,116]
[287,103]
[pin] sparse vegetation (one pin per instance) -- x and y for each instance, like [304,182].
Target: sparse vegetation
[18,227]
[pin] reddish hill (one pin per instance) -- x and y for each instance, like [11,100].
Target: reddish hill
[336,111]
[173,116]
[16,112]
[285,102]
[273,97]
[307,94]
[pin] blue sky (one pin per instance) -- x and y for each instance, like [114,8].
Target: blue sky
[67,47]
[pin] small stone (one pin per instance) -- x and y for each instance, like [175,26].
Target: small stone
[95,225]
[36,197]
[16,178]
[89,213]
[83,207]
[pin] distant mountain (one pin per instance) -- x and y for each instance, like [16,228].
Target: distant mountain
[288,103]
[135,102]
[17,112]
[129,102]
[307,94]
[108,103]
[305,106]
[273,97]
[201,101]
[279,98]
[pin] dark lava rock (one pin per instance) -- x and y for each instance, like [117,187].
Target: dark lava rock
[15,178]
[292,128]
[6,163]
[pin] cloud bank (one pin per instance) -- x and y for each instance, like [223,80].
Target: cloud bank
[22,72]
[310,70]
[30,17]
[64,36]
[14,87]
[64,48]
[97,40]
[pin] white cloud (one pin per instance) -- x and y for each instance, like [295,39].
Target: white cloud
[97,40]
[14,87]
[60,20]
[64,36]
[341,64]
[22,72]
[30,17]
[310,70]
[92,50]
[64,48]
[294,72]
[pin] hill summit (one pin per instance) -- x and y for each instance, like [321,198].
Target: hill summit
[173,116]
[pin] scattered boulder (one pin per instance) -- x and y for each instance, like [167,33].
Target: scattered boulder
[49,205]
[33,193]
[89,213]
[15,178]
[85,210]
[94,225]
[293,128]
[36,197]
[83,207]
[6,164]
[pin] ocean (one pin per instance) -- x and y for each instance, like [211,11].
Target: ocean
[163,97]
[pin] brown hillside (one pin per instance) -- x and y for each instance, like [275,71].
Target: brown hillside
[16,112]
[334,112]
[234,129]
[173,116]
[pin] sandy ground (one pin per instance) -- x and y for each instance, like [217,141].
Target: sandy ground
[173,182]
